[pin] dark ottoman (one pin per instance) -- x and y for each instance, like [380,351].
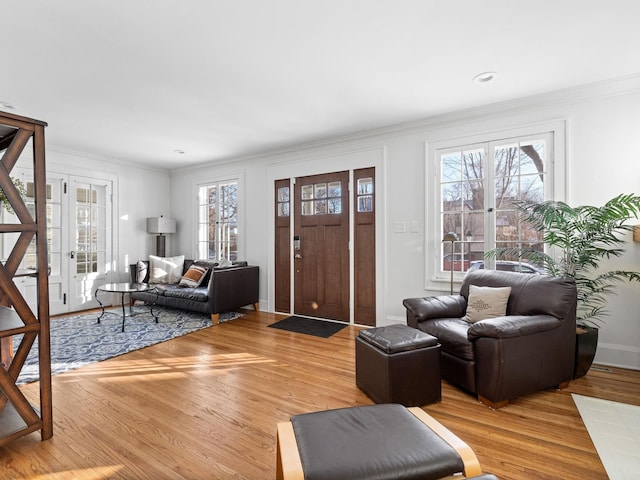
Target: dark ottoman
[398,364]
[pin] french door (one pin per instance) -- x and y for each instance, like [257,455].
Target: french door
[78,236]
[89,251]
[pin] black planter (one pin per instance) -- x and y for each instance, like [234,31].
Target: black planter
[586,345]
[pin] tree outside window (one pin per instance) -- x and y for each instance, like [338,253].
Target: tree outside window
[479,184]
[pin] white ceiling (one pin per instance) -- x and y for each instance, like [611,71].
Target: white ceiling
[135,80]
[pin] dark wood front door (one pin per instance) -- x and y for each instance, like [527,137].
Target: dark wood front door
[321,246]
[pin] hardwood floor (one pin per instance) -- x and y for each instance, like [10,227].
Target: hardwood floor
[205,406]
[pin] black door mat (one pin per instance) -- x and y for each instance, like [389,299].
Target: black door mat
[309,326]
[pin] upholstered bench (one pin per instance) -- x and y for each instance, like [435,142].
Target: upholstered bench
[375,441]
[398,364]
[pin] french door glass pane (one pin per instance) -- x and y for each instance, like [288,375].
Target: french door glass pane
[91,221]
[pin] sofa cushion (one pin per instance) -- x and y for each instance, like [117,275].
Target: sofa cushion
[194,276]
[161,288]
[486,302]
[199,294]
[452,335]
[167,270]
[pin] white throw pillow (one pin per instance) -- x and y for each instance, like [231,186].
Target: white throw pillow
[141,271]
[486,302]
[165,269]
[224,263]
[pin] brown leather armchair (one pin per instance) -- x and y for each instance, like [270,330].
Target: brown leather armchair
[529,349]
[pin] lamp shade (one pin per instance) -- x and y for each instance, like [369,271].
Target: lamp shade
[450,237]
[161,225]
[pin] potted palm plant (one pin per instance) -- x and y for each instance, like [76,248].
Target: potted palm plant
[580,238]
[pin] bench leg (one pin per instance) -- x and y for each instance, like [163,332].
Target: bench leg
[215,318]
[256,307]
[288,463]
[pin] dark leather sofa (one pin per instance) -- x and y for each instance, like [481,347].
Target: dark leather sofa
[529,349]
[222,290]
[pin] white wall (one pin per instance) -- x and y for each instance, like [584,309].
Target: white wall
[602,121]
[138,193]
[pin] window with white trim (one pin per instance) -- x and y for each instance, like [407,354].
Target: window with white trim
[477,184]
[218,220]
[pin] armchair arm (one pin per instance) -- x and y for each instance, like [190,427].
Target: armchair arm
[232,288]
[442,306]
[512,326]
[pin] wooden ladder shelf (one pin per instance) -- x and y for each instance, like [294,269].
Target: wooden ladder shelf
[17,416]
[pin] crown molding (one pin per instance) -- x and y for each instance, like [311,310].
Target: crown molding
[573,95]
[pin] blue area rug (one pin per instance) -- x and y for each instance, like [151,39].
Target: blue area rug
[79,340]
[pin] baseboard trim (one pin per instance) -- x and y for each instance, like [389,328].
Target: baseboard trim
[621,356]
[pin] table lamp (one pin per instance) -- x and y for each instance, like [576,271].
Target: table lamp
[161,226]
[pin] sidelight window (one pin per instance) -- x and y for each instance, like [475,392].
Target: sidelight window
[365,194]
[283,203]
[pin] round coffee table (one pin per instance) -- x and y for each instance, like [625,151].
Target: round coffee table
[123,289]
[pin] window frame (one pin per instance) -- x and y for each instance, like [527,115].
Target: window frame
[554,186]
[238,178]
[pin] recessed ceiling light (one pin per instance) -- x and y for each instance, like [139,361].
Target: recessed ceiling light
[484,77]
[179,152]
[6,105]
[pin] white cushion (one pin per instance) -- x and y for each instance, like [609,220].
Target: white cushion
[141,271]
[224,263]
[486,302]
[165,269]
